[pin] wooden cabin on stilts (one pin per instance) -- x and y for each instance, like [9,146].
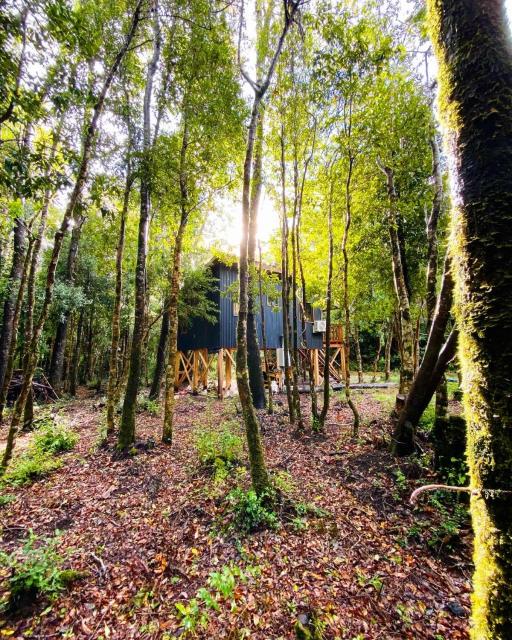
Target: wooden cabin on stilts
[207,348]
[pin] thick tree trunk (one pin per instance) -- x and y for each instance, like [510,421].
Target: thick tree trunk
[15,277]
[437,356]
[472,43]
[116,312]
[127,426]
[59,237]
[253,348]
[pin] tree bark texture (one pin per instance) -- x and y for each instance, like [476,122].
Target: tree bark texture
[472,44]
[127,425]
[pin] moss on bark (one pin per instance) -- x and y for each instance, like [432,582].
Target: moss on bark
[472,43]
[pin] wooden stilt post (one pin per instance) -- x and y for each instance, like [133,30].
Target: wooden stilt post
[220,374]
[316,369]
[205,369]
[229,368]
[195,372]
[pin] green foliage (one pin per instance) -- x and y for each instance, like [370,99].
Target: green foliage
[146,404]
[219,444]
[35,570]
[40,458]
[6,499]
[222,584]
[252,512]
[29,466]
[53,437]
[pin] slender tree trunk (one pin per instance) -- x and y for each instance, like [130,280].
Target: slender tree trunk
[438,354]
[359,357]
[75,356]
[13,287]
[253,348]
[295,319]
[4,388]
[432,239]
[259,473]
[285,286]
[57,362]
[401,287]
[346,297]
[170,374]
[127,426]
[113,367]
[377,358]
[320,420]
[158,373]
[472,44]
[59,237]
[387,350]
[270,405]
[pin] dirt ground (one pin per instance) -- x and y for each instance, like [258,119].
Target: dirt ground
[147,531]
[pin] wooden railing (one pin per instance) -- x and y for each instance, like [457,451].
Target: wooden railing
[336,334]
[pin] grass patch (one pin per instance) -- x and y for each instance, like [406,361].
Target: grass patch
[41,457]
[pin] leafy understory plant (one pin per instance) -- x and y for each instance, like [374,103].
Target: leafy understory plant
[41,457]
[252,512]
[34,570]
[219,594]
[224,443]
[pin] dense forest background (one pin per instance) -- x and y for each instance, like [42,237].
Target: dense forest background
[350,157]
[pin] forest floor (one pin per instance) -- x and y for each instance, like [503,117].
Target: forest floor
[159,555]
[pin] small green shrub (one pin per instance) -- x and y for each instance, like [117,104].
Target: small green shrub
[30,466]
[6,499]
[146,404]
[53,437]
[35,570]
[219,444]
[252,512]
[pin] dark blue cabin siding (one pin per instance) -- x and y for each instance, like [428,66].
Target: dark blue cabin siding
[203,335]
[228,321]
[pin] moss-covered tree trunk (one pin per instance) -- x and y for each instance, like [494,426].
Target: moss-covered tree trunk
[438,354]
[127,425]
[13,285]
[174,289]
[473,47]
[116,311]
[253,347]
[359,357]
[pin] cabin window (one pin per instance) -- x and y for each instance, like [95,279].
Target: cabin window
[236,308]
